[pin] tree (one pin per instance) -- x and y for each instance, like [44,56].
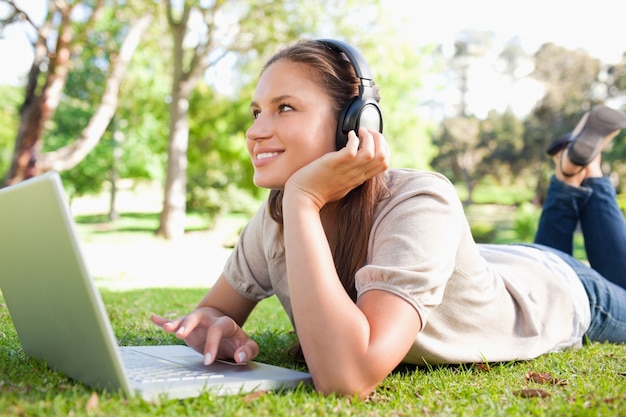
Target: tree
[187,71]
[502,136]
[568,77]
[58,40]
[459,151]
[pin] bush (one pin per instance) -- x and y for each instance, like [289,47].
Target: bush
[526,221]
[483,233]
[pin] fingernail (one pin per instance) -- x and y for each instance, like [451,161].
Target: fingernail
[181,330]
[242,357]
[207,359]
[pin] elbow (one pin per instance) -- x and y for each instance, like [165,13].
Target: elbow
[346,386]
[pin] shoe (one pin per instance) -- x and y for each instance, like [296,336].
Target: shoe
[559,144]
[602,120]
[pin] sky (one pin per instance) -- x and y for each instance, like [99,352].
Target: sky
[597,26]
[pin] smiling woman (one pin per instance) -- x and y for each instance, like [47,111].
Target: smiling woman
[378,266]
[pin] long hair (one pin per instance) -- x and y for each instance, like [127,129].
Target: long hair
[334,73]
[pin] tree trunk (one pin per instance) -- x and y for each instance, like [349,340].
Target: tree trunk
[172,221]
[41,97]
[39,108]
[469,184]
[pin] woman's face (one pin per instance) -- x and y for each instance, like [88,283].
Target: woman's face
[294,124]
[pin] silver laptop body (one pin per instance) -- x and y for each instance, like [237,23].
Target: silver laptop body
[59,316]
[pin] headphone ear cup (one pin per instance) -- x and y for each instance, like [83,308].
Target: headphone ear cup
[358,113]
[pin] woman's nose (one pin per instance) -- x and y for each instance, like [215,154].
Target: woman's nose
[259,129]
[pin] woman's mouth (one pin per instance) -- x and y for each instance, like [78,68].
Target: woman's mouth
[263,158]
[266,155]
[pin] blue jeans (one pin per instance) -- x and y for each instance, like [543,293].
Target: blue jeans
[594,206]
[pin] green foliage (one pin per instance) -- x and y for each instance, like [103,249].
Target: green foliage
[399,76]
[458,151]
[9,104]
[490,151]
[90,175]
[526,221]
[568,76]
[219,174]
[502,135]
[483,232]
[621,202]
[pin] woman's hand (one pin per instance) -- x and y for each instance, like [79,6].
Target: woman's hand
[214,327]
[335,174]
[211,333]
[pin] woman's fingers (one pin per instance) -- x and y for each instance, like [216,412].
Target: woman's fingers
[372,156]
[224,338]
[158,320]
[212,342]
[215,337]
[332,176]
[353,144]
[367,148]
[247,352]
[166,324]
[187,324]
[183,326]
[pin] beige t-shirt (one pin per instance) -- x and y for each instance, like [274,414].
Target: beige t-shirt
[477,302]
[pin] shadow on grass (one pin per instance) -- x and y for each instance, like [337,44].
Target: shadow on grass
[104,218]
[130,222]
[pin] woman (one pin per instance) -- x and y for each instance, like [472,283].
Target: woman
[377,266]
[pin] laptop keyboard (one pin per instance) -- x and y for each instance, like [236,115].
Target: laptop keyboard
[146,369]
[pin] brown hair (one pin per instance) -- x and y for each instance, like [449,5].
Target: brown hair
[334,73]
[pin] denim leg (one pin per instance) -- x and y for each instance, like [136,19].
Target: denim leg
[560,214]
[604,230]
[607,301]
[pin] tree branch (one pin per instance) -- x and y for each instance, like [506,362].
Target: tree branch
[69,156]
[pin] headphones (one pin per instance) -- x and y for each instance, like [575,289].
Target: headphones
[362,110]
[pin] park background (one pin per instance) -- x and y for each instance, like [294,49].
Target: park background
[117,94]
[146,103]
[143,106]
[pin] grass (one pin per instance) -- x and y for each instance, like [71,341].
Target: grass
[587,382]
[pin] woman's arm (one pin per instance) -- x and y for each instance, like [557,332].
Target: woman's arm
[227,300]
[349,348]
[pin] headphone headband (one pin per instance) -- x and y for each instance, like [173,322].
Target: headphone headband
[354,56]
[362,110]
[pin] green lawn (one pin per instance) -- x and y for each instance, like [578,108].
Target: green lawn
[590,381]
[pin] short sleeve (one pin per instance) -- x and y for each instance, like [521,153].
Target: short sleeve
[246,269]
[414,240]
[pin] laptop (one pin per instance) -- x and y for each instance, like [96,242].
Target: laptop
[59,315]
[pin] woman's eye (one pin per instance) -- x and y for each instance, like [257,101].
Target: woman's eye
[284,107]
[255,114]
